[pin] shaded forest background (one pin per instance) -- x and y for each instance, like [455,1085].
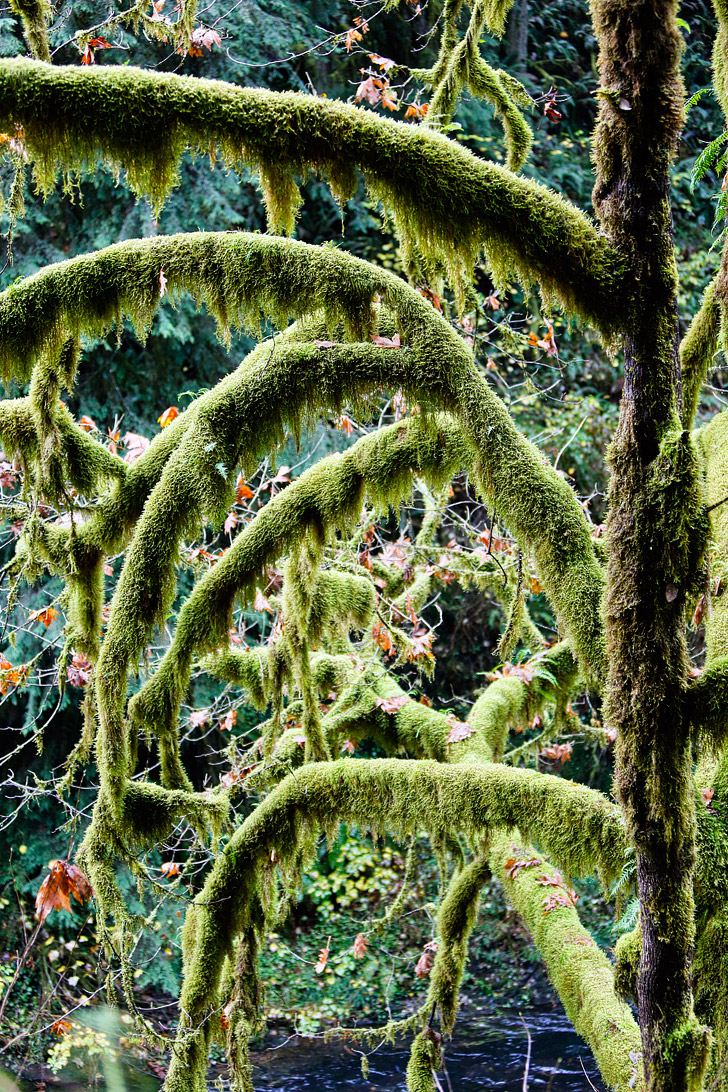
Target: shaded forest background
[565,401]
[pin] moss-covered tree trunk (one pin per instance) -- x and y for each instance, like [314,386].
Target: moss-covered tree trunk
[655,538]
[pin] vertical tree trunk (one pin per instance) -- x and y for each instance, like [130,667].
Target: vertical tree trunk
[656,536]
[517,33]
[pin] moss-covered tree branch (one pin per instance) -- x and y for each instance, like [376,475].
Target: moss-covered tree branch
[445,201]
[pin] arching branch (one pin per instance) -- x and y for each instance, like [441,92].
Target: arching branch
[445,201]
[238,274]
[387,794]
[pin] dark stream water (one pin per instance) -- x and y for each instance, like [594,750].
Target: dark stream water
[485,1053]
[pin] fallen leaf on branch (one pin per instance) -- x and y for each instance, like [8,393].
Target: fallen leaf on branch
[387,342]
[554,902]
[459,730]
[391,705]
[135,445]
[514,865]
[551,881]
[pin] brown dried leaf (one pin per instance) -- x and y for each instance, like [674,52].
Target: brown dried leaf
[360,946]
[63,881]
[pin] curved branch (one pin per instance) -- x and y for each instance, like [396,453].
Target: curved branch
[445,201]
[394,794]
[329,494]
[238,274]
[707,702]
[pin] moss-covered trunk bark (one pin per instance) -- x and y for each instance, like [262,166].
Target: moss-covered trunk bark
[655,539]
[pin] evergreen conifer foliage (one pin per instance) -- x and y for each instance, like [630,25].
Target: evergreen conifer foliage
[351,330]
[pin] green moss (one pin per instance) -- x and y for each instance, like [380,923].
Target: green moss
[445,201]
[576,825]
[697,351]
[460,65]
[425,1056]
[712,444]
[455,922]
[35,16]
[627,955]
[581,973]
[325,497]
[720,55]
[510,702]
[236,275]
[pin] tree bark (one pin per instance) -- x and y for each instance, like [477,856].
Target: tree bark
[656,536]
[517,33]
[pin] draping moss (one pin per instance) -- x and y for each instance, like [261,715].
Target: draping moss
[238,274]
[400,796]
[455,921]
[720,55]
[248,669]
[251,670]
[712,444]
[425,1056]
[697,350]
[325,498]
[444,200]
[460,65]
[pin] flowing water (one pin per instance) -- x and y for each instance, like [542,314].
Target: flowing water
[486,1053]
[483,1054]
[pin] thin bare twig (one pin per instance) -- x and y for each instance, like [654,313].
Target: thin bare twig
[528,1055]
